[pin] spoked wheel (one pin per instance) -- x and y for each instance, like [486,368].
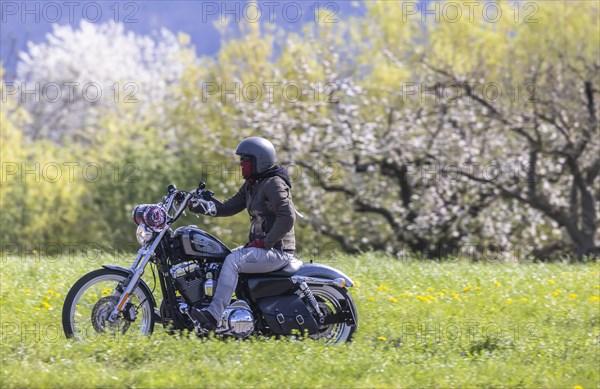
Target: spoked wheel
[328,299]
[91,300]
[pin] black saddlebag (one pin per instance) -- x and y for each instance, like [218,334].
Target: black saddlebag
[287,314]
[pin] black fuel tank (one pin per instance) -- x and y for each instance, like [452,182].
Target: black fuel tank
[197,243]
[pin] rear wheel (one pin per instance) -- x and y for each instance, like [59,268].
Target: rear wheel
[328,298]
[91,300]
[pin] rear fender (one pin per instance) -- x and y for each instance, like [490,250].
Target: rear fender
[349,314]
[323,271]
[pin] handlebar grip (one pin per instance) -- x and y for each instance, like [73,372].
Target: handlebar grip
[209,195]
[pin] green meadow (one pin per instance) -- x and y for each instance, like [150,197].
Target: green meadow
[422,324]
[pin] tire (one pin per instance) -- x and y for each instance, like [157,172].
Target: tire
[329,296]
[141,297]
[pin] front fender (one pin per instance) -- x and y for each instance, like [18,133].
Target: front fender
[142,283]
[325,271]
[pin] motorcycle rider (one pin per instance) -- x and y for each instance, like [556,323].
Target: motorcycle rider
[266,194]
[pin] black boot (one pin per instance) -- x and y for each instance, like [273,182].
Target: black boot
[204,318]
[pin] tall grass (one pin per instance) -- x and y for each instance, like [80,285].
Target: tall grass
[422,324]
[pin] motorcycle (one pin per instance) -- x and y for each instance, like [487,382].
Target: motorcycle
[299,299]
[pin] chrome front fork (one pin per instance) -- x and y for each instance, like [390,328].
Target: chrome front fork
[141,260]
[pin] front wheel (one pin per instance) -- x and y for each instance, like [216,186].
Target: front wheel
[329,299]
[91,300]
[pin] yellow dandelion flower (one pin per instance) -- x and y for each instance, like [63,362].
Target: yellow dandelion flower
[577,387]
[556,292]
[596,286]
[594,298]
[56,294]
[106,291]
[430,289]
[45,305]
[49,291]
[383,287]
[356,283]
[382,338]
[572,296]
[524,299]
[422,298]
[47,298]
[467,288]
[551,282]
[394,300]
[509,301]
[36,308]
[457,298]
[371,299]
[440,294]
[27,291]
[406,294]
[496,283]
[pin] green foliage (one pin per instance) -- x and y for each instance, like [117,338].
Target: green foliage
[12,119]
[140,148]
[422,324]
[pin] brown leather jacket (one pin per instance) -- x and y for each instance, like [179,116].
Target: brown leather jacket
[272,213]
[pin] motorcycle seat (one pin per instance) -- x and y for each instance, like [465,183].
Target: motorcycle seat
[288,270]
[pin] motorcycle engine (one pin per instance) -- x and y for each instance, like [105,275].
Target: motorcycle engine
[237,320]
[195,283]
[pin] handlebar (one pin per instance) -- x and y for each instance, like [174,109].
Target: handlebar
[183,198]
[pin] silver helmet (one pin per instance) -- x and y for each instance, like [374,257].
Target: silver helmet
[261,151]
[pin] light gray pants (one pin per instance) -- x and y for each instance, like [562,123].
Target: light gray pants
[244,260]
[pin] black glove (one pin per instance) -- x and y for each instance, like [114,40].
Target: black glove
[207,194]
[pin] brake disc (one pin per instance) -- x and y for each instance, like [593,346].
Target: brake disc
[101,312]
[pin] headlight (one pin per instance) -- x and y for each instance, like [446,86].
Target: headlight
[143,234]
[154,216]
